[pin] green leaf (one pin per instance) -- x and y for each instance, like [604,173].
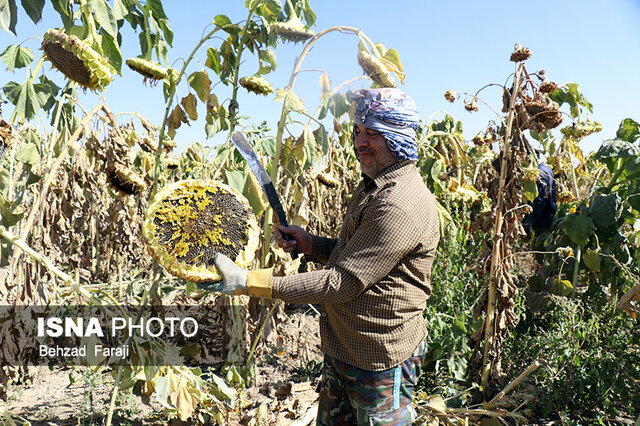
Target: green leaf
[309,14]
[64,9]
[604,209]
[290,99]
[155,6]
[268,146]
[579,228]
[8,15]
[536,282]
[16,56]
[447,224]
[120,11]
[168,34]
[309,147]
[617,148]
[68,118]
[457,366]
[29,155]
[199,81]
[221,20]
[592,259]
[571,94]
[339,104]
[221,390]
[33,9]
[45,95]
[561,287]
[24,97]
[381,49]
[529,189]
[213,60]
[235,178]
[112,52]
[322,139]
[629,130]
[435,171]
[10,213]
[103,14]
[393,56]
[271,10]
[255,194]
[163,390]
[268,61]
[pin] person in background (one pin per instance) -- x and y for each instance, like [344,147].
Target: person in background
[544,205]
[377,279]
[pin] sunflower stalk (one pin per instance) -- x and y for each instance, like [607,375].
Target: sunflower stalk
[172,93]
[87,17]
[44,261]
[236,75]
[496,258]
[533,367]
[257,339]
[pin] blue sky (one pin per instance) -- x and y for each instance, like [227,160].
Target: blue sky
[453,44]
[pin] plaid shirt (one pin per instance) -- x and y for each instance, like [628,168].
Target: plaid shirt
[378,275]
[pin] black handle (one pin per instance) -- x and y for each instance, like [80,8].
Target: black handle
[274,200]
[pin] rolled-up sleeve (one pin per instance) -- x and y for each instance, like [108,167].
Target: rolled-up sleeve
[384,236]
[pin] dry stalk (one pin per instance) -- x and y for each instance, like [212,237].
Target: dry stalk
[43,260]
[497,258]
[533,367]
[26,229]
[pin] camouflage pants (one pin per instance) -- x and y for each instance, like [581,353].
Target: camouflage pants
[350,396]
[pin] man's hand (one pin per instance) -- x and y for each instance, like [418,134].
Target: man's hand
[301,239]
[237,280]
[233,276]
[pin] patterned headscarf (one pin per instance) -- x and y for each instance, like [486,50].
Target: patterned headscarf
[391,113]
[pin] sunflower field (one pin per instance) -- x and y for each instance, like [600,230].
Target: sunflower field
[523,329]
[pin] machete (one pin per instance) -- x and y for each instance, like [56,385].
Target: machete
[242,144]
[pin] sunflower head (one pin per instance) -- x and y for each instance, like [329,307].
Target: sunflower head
[256,84]
[189,221]
[292,30]
[520,54]
[151,70]
[375,69]
[125,180]
[77,60]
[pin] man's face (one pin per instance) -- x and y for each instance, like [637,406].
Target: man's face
[373,152]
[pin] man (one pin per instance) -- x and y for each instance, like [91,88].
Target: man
[376,282]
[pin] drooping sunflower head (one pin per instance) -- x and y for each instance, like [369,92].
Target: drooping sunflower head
[189,221]
[256,84]
[546,114]
[548,86]
[152,70]
[375,69]
[148,145]
[77,60]
[520,53]
[124,179]
[292,30]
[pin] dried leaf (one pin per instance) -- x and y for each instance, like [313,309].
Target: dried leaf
[189,103]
